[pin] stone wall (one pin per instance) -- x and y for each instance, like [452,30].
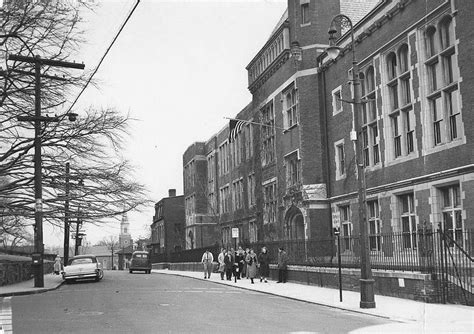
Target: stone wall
[414,286]
[19,269]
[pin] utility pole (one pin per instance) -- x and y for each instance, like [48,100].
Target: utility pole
[78,222]
[37,119]
[66,218]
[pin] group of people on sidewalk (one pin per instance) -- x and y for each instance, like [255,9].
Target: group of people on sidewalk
[246,263]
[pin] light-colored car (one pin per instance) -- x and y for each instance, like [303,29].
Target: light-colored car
[83,267]
[140,262]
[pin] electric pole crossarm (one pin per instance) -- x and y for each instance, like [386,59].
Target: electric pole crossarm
[48,62]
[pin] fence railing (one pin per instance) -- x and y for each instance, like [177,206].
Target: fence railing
[416,252]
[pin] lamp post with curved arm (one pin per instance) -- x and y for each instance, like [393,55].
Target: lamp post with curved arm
[333,51]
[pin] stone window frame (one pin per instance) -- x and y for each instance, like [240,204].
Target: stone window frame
[440,85]
[340,170]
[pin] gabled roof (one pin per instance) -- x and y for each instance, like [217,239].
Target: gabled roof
[357,9]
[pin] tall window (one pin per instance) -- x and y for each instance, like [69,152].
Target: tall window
[268,134]
[337,100]
[224,159]
[253,232]
[452,213]
[305,17]
[251,190]
[224,199]
[370,133]
[441,66]
[400,102]
[408,221]
[373,215]
[270,203]
[290,107]
[346,226]
[238,194]
[340,159]
[248,130]
[293,172]
[211,175]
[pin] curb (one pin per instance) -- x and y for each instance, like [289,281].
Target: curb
[30,292]
[292,298]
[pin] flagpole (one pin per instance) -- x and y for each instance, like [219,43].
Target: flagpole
[250,122]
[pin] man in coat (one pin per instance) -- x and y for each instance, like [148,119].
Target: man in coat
[282,265]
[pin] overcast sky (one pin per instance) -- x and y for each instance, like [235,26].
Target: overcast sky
[178,68]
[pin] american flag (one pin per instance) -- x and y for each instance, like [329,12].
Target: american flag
[235,126]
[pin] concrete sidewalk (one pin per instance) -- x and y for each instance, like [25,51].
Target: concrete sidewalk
[409,316]
[51,282]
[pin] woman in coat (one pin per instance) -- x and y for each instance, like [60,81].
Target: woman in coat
[264,262]
[252,262]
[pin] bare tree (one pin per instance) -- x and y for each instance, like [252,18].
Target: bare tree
[92,145]
[112,244]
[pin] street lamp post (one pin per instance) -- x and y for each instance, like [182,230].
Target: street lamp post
[366,280]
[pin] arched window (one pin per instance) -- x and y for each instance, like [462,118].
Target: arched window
[370,79]
[391,65]
[446,33]
[403,58]
[362,83]
[430,41]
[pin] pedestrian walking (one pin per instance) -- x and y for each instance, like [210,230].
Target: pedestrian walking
[207,259]
[251,265]
[264,264]
[244,267]
[282,265]
[229,263]
[239,259]
[220,260]
[58,266]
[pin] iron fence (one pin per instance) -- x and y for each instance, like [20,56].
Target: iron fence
[417,252]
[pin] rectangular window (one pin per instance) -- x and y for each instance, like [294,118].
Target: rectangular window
[290,107]
[336,100]
[248,141]
[270,203]
[305,17]
[253,232]
[251,190]
[452,214]
[268,134]
[442,72]
[292,163]
[346,228]
[340,160]
[437,114]
[408,221]
[397,138]
[373,215]
[409,117]
[453,114]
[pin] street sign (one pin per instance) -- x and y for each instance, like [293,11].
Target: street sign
[336,219]
[235,232]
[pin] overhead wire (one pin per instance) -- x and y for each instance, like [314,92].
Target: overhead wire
[104,55]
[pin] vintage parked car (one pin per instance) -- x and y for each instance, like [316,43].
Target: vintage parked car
[140,262]
[83,267]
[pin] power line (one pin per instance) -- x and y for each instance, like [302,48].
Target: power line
[104,55]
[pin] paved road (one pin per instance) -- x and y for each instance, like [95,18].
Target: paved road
[141,303]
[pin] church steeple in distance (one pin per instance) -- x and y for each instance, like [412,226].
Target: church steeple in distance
[125,239]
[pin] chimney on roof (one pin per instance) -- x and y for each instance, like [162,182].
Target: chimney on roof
[171,192]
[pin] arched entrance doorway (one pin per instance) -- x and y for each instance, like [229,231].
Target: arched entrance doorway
[294,223]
